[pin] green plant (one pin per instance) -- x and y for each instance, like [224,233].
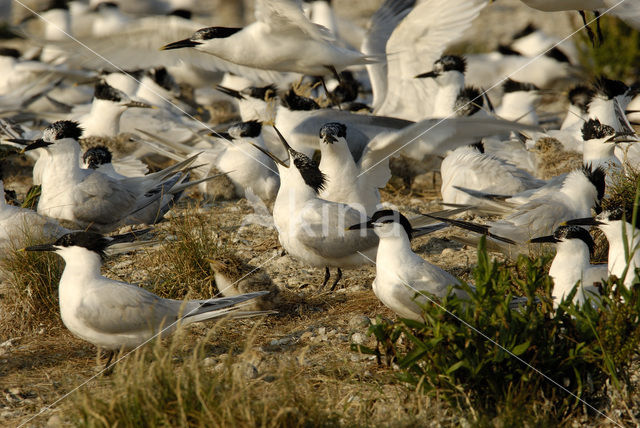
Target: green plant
[483,351]
[617,57]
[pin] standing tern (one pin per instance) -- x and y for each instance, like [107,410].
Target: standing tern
[402,275]
[281,39]
[113,314]
[571,264]
[312,229]
[519,102]
[624,241]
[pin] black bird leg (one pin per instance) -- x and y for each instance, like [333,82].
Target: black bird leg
[333,70]
[333,287]
[592,36]
[598,29]
[327,275]
[108,370]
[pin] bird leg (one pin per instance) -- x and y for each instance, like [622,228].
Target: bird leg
[330,97]
[598,29]
[327,275]
[108,370]
[333,287]
[592,36]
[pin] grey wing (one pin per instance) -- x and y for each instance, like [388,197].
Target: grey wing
[325,233]
[102,200]
[432,279]
[121,308]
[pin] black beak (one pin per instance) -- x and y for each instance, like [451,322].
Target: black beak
[42,247]
[224,135]
[588,221]
[548,238]
[231,92]
[286,145]
[367,225]
[36,145]
[271,155]
[22,141]
[186,43]
[430,74]
[623,137]
[138,104]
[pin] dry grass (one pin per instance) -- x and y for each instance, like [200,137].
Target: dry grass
[30,297]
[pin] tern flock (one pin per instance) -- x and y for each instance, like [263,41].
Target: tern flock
[90,90]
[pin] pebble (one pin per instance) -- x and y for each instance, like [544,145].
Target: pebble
[448,252]
[358,338]
[54,421]
[280,342]
[358,322]
[247,370]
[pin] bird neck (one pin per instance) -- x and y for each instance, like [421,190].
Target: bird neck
[596,152]
[579,192]
[103,119]
[568,267]
[64,164]
[394,244]
[58,24]
[80,263]
[450,85]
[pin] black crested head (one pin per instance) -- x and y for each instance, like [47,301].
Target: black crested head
[515,86]
[309,170]
[96,156]
[62,129]
[558,55]
[249,129]
[90,240]
[10,52]
[596,177]
[581,96]
[575,232]
[609,88]
[182,13]
[161,76]
[621,213]
[530,28]
[450,63]
[593,129]
[214,33]
[264,93]
[298,103]
[468,102]
[104,91]
[391,216]
[330,132]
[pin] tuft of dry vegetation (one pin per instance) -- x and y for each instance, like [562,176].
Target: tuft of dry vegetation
[30,297]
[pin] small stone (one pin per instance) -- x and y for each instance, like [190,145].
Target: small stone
[247,370]
[219,368]
[209,362]
[306,335]
[280,342]
[54,421]
[322,331]
[359,322]
[448,252]
[358,338]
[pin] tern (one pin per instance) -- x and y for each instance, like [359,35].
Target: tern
[116,315]
[581,191]
[571,265]
[281,39]
[448,73]
[519,102]
[90,199]
[402,275]
[624,241]
[312,229]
